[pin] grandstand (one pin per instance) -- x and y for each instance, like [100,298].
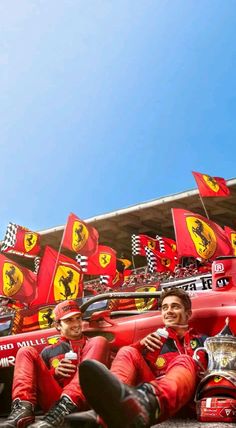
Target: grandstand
[153,217]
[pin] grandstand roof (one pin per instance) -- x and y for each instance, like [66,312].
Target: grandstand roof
[153,217]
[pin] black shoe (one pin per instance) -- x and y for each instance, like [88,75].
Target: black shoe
[56,415]
[22,415]
[119,405]
[88,419]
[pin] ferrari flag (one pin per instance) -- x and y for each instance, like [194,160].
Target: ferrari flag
[139,242]
[79,237]
[20,240]
[113,281]
[103,262]
[38,318]
[232,238]
[59,278]
[167,247]
[16,281]
[197,236]
[160,262]
[211,186]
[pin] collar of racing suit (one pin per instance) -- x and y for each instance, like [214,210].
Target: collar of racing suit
[183,344]
[75,345]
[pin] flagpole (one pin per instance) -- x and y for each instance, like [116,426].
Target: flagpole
[56,262]
[204,207]
[133,262]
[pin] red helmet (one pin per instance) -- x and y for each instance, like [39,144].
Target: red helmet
[217,384]
[216,398]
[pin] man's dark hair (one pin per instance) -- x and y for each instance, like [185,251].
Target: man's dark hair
[178,292]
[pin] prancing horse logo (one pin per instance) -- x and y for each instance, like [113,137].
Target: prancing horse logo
[203,237]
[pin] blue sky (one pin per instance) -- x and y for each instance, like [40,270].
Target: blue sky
[105,104]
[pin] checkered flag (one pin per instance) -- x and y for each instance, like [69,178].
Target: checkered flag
[151,260]
[37,261]
[162,247]
[83,262]
[136,247]
[104,279]
[10,237]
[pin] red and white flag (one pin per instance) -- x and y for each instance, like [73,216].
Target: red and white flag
[159,262]
[20,240]
[103,262]
[139,242]
[167,247]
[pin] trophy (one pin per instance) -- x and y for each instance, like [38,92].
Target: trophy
[221,351]
[216,392]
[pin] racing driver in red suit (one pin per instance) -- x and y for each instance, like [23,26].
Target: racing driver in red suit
[49,379]
[149,381]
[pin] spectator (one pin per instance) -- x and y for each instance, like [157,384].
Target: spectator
[149,381]
[50,380]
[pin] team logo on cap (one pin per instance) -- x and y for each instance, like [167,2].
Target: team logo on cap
[80,236]
[104,259]
[66,283]
[203,237]
[12,279]
[30,240]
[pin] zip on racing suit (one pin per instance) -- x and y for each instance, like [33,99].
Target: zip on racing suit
[34,375]
[171,370]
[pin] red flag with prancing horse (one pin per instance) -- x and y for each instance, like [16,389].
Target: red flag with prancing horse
[196,236]
[232,238]
[80,237]
[211,186]
[20,240]
[16,281]
[103,262]
[59,278]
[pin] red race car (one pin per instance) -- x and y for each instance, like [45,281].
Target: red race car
[211,307]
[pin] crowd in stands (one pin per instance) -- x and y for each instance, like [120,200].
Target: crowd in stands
[140,277]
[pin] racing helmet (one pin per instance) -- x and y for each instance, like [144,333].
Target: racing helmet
[216,398]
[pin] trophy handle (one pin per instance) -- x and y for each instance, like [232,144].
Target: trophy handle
[197,358]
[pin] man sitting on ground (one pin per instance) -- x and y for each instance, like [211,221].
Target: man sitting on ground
[149,381]
[50,380]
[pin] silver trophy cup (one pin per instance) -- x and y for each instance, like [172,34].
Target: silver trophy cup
[221,351]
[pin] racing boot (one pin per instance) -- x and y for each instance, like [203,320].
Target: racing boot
[56,415]
[21,416]
[119,405]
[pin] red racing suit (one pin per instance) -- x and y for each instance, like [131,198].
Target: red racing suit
[171,370]
[34,375]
